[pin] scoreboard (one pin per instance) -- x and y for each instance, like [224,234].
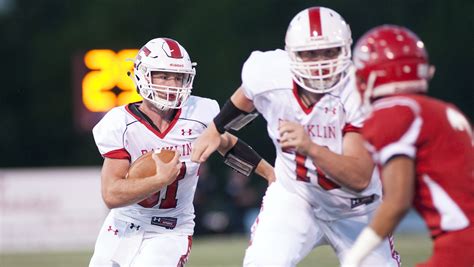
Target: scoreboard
[101,83]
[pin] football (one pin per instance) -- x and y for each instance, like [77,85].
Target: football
[145,166]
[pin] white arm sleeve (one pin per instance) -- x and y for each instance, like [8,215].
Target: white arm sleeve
[352,101]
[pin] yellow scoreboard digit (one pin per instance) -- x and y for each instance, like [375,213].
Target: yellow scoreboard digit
[101,83]
[106,84]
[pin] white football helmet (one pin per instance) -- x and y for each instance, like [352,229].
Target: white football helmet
[163,55]
[318,28]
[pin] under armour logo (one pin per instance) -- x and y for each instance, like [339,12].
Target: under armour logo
[186,132]
[333,110]
[132,225]
[112,230]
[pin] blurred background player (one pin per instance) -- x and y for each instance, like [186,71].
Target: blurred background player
[323,194]
[422,145]
[151,221]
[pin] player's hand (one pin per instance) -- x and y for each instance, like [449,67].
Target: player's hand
[294,136]
[167,173]
[206,144]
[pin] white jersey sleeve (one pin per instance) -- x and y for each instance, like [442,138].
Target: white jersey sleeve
[352,103]
[109,134]
[265,71]
[214,109]
[202,109]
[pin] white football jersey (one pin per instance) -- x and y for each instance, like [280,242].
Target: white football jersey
[267,81]
[124,134]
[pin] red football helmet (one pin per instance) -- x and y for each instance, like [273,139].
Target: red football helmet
[390,59]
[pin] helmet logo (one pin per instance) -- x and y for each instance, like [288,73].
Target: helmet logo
[172,48]
[315,28]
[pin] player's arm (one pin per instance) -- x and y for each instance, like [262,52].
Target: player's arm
[399,189]
[243,158]
[353,169]
[119,192]
[234,112]
[241,101]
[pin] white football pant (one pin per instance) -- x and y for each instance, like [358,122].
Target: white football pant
[286,230]
[124,244]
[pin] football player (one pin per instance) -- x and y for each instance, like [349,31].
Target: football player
[151,220]
[324,193]
[422,145]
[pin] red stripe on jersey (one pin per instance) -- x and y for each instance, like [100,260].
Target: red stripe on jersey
[395,254]
[184,258]
[305,109]
[348,128]
[151,128]
[315,28]
[174,48]
[118,154]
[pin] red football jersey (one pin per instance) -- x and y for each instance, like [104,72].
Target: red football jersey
[439,137]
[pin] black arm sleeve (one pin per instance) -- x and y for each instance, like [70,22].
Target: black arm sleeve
[242,158]
[231,117]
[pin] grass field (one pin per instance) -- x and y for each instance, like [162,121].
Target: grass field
[221,251]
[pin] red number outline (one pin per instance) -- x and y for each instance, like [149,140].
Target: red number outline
[302,174]
[169,201]
[301,170]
